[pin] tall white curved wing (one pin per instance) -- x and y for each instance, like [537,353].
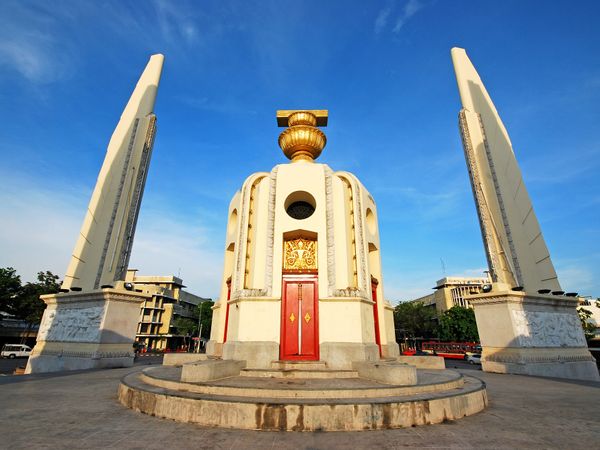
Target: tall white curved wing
[516,251]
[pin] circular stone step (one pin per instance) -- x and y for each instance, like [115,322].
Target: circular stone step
[298,373]
[247,403]
[308,388]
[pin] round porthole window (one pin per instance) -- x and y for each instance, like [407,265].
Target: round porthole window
[300,205]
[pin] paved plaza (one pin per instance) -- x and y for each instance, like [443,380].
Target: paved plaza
[80,410]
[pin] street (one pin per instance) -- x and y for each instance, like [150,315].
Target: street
[8,366]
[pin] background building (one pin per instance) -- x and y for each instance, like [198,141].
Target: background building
[16,331]
[451,291]
[156,328]
[591,304]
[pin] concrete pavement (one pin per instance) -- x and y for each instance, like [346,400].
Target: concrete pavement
[80,410]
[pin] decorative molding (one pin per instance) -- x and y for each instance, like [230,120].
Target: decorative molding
[242,244]
[271,232]
[364,284]
[245,293]
[100,295]
[547,329]
[359,245]
[537,355]
[329,217]
[251,222]
[136,199]
[515,260]
[348,292]
[116,204]
[72,324]
[483,213]
[257,298]
[83,354]
[300,255]
[240,248]
[522,299]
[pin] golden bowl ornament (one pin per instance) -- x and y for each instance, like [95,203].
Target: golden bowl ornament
[302,140]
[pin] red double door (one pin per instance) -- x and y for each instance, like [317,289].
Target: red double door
[299,318]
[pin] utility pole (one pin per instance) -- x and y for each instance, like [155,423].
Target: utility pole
[199,327]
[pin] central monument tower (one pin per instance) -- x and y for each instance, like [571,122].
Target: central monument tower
[302,338]
[302,275]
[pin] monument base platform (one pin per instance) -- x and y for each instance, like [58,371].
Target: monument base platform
[256,354]
[337,355]
[286,399]
[86,330]
[532,334]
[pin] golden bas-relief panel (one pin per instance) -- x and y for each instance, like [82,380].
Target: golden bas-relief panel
[300,254]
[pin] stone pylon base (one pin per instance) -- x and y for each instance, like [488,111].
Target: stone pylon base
[532,334]
[86,330]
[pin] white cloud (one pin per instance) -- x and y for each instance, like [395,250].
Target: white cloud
[38,227]
[382,19]
[164,245]
[174,21]
[40,224]
[32,51]
[400,287]
[425,206]
[409,10]
[577,275]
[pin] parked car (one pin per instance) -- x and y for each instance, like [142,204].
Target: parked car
[15,351]
[474,358]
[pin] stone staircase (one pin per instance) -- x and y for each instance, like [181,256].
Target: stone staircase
[298,370]
[305,396]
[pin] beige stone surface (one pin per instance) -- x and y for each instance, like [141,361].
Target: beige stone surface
[103,247]
[423,362]
[210,369]
[177,359]
[344,226]
[85,330]
[300,389]
[532,334]
[312,405]
[515,247]
[388,372]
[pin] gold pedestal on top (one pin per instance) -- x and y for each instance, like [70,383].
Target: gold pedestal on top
[302,141]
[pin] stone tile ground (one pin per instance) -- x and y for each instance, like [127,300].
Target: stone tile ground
[80,411]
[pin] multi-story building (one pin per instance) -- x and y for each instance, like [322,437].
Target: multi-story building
[451,291]
[156,328]
[593,306]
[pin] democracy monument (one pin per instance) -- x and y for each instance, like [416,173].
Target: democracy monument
[303,338]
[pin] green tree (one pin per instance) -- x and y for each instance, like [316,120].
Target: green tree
[24,302]
[458,324]
[415,319]
[186,326]
[589,328]
[10,286]
[189,326]
[205,308]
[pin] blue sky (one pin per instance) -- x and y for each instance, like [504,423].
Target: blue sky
[383,70]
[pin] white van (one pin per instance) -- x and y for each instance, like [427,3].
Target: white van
[15,351]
